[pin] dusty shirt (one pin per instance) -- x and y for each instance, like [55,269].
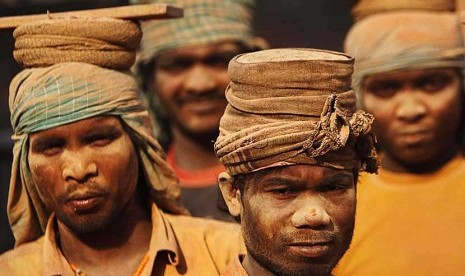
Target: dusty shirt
[409,224]
[179,245]
[199,190]
[235,268]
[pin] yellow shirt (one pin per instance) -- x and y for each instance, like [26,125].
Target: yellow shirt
[409,224]
[179,245]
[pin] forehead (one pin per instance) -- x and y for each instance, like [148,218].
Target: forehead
[202,50]
[411,74]
[90,124]
[300,174]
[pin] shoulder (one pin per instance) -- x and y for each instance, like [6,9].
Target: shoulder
[221,241]
[24,259]
[206,228]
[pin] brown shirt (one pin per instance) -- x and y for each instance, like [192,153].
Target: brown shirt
[179,245]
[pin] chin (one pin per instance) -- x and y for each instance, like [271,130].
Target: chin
[284,264]
[88,223]
[304,270]
[206,130]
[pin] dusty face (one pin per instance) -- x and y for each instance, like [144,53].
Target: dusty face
[417,114]
[191,82]
[299,220]
[86,172]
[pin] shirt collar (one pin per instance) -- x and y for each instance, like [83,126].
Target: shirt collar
[162,241]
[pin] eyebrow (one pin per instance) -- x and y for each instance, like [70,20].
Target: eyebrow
[45,140]
[277,180]
[338,177]
[105,128]
[280,180]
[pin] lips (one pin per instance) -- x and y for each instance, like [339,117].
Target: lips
[316,249]
[415,137]
[204,106]
[84,202]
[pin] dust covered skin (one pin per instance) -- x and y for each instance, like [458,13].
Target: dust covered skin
[418,114]
[297,220]
[86,172]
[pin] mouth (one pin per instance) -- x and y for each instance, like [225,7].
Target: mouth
[415,137]
[205,106]
[84,202]
[312,249]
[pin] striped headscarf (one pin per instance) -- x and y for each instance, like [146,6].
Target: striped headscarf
[45,97]
[404,40]
[293,106]
[204,21]
[364,8]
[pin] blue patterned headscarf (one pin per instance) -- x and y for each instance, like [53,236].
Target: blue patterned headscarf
[49,96]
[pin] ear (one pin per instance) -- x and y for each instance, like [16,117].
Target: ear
[231,195]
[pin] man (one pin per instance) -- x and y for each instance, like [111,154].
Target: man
[410,216]
[90,186]
[292,143]
[183,66]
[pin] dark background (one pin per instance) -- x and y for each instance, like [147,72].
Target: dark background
[284,23]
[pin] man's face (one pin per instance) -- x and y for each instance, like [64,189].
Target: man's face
[86,172]
[417,113]
[191,82]
[299,220]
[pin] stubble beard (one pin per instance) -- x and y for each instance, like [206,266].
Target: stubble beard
[88,223]
[275,262]
[82,224]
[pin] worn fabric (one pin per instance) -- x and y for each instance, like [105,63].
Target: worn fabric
[409,224]
[404,40]
[44,98]
[204,22]
[106,42]
[293,106]
[364,8]
[179,245]
[235,268]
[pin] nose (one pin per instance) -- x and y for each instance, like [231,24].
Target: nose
[78,167]
[411,108]
[199,79]
[312,215]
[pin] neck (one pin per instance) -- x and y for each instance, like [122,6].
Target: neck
[391,164]
[194,154]
[252,267]
[121,246]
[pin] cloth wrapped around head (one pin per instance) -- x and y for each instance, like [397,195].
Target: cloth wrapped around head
[293,106]
[204,21]
[73,87]
[364,8]
[404,40]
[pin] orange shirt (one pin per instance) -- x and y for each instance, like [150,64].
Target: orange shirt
[409,224]
[194,179]
[179,245]
[235,268]
[199,190]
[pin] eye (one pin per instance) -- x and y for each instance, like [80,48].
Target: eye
[101,139]
[434,83]
[48,148]
[283,192]
[334,187]
[383,89]
[174,65]
[219,60]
